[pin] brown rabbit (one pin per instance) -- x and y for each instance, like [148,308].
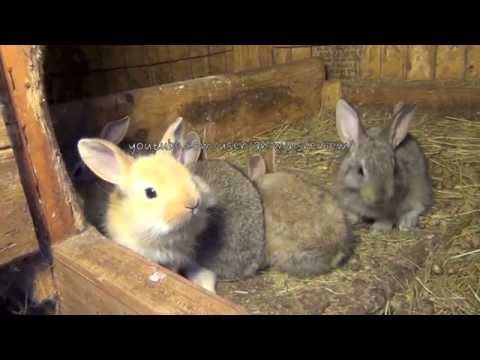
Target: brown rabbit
[305,230]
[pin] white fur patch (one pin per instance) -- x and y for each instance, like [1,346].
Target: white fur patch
[157,276]
[204,278]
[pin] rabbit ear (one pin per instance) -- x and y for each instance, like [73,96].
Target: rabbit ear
[192,148]
[105,159]
[174,137]
[269,158]
[398,107]
[203,152]
[115,131]
[397,130]
[256,167]
[174,132]
[349,127]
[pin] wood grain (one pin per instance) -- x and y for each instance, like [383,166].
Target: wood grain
[441,97]
[48,189]
[17,234]
[231,107]
[97,276]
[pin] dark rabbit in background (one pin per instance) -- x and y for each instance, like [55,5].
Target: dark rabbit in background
[233,245]
[384,176]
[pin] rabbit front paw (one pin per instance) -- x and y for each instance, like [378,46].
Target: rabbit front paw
[382,226]
[353,218]
[408,221]
[202,277]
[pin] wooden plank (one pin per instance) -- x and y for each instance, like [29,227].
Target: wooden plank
[117,80]
[17,234]
[265,55]
[162,73]
[150,53]
[198,50]
[370,63]
[55,211]
[472,71]
[444,98]
[139,77]
[217,64]
[282,55]
[450,63]
[97,276]
[245,57]
[394,60]
[135,55]
[200,67]
[420,65]
[229,62]
[182,70]
[232,106]
[331,93]
[112,56]
[163,53]
[92,53]
[300,53]
[95,84]
[213,49]
[178,52]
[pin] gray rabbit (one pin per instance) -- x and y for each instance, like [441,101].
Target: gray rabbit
[233,246]
[384,176]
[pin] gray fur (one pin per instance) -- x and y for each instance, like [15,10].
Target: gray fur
[393,186]
[233,245]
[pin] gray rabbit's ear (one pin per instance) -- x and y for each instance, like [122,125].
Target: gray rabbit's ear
[397,130]
[256,167]
[191,149]
[397,108]
[349,127]
[115,131]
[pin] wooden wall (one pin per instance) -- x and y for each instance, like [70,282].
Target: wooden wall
[83,71]
[17,234]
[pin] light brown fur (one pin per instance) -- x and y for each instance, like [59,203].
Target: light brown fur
[305,230]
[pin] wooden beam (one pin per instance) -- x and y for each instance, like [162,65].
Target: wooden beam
[97,276]
[442,97]
[231,106]
[17,235]
[48,189]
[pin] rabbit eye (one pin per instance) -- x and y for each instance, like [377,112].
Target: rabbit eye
[360,171]
[151,193]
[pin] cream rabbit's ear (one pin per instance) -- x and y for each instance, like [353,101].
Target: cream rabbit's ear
[256,167]
[105,159]
[174,136]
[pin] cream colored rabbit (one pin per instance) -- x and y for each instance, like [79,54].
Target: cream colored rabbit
[157,208]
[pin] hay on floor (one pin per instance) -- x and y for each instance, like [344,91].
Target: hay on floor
[446,280]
